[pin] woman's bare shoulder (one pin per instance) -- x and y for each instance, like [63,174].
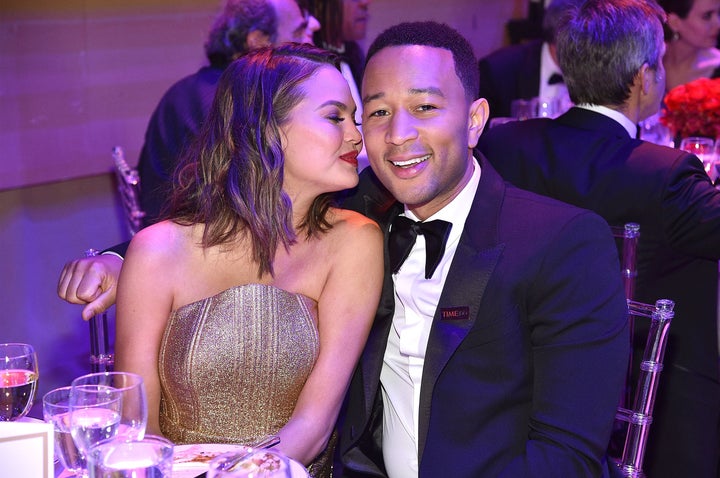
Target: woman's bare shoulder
[162,241]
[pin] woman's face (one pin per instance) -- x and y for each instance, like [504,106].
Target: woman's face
[320,139]
[701,27]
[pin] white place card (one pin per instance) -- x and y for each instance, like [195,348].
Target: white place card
[26,449]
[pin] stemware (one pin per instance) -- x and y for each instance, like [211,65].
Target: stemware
[703,149]
[18,380]
[56,410]
[108,405]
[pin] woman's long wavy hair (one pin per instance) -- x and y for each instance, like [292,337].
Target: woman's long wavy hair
[231,177]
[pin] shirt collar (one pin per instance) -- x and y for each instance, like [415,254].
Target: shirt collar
[457,210]
[624,121]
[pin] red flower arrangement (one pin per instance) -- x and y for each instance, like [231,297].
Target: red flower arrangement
[693,109]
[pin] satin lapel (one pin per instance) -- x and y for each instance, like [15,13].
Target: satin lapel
[475,259]
[372,358]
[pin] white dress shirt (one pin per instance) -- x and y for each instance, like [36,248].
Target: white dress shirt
[416,300]
[557,92]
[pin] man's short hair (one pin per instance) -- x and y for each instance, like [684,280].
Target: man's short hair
[554,17]
[602,45]
[228,36]
[436,35]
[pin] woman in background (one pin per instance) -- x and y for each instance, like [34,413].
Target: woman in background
[691,36]
[247,310]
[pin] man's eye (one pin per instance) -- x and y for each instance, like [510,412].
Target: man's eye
[379,113]
[426,107]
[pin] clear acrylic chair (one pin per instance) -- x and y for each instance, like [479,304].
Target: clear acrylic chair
[128,181]
[639,416]
[629,234]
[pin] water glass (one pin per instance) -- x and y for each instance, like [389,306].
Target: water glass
[524,109]
[18,380]
[56,410]
[259,463]
[151,457]
[703,149]
[107,405]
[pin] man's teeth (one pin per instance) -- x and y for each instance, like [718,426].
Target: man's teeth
[411,162]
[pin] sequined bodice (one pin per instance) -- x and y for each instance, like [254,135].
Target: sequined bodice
[232,365]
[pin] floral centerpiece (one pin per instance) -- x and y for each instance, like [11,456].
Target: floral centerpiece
[693,109]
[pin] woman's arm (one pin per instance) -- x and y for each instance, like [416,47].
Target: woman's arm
[347,307]
[144,302]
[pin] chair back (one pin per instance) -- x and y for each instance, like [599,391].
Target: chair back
[128,181]
[639,417]
[629,234]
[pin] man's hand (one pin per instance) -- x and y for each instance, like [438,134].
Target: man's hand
[91,281]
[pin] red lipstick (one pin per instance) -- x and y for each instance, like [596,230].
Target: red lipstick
[351,157]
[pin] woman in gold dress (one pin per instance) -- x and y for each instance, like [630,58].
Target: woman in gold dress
[246,310]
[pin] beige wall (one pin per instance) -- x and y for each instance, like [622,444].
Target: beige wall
[76,78]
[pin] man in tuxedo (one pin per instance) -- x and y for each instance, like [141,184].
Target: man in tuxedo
[506,359]
[611,54]
[243,25]
[500,344]
[527,70]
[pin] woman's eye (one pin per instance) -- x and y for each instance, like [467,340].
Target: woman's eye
[336,118]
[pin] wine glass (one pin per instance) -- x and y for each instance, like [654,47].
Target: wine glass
[56,410]
[702,148]
[108,405]
[18,380]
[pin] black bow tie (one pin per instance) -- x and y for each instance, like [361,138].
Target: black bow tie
[555,78]
[402,238]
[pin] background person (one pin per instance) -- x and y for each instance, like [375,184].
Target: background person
[528,70]
[241,26]
[692,32]
[589,157]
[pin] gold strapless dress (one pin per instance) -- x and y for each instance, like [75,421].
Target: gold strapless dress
[232,366]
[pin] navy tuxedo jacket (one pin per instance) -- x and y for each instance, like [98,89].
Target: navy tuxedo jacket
[525,382]
[173,125]
[589,160]
[508,74]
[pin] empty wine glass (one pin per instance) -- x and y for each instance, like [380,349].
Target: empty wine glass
[107,405]
[56,410]
[18,380]
[702,148]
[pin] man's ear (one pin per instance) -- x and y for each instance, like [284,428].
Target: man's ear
[478,115]
[646,77]
[257,39]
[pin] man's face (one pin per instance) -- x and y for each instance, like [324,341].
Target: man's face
[293,25]
[418,125]
[354,19]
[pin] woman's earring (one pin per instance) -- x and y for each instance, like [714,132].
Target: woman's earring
[675,36]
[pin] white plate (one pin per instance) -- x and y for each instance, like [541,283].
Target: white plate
[191,460]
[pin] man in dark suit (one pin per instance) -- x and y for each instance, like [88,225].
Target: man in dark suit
[243,25]
[506,360]
[589,157]
[525,71]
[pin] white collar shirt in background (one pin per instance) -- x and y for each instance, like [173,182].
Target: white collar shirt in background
[557,91]
[416,300]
